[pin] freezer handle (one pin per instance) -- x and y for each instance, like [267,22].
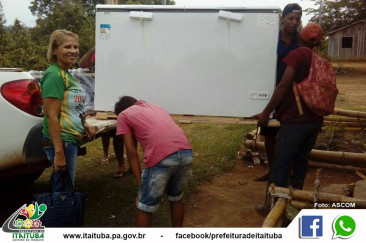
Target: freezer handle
[140,15]
[227,15]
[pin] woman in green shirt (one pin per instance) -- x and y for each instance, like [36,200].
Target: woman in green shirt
[63,102]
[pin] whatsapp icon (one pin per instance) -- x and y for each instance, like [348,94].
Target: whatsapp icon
[344,227]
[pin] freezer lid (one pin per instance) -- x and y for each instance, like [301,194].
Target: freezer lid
[181,8]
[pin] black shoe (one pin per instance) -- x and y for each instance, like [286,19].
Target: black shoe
[262,210]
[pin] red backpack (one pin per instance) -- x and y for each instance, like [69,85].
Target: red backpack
[318,90]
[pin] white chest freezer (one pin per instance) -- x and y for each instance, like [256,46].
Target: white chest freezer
[198,61]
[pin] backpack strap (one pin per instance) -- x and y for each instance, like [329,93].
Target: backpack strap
[294,88]
[298,103]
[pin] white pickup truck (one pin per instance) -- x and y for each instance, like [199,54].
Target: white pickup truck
[20,126]
[22,159]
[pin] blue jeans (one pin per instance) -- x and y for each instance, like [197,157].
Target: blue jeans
[170,175]
[70,151]
[294,144]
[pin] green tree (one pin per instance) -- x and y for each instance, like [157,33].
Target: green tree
[336,14]
[70,15]
[23,51]
[5,40]
[42,8]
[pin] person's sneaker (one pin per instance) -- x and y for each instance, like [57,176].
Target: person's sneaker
[262,210]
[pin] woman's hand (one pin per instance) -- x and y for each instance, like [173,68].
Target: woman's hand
[59,162]
[90,131]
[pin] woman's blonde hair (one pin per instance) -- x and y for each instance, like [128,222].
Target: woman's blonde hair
[56,39]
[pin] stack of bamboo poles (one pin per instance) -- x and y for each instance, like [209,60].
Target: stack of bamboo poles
[348,120]
[301,199]
[322,158]
[332,159]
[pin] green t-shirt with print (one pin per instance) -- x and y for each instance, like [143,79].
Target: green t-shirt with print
[59,84]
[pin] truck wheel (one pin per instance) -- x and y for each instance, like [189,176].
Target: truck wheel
[11,183]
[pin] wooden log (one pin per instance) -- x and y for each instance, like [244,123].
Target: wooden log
[255,133]
[275,214]
[360,175]
[308,196]
[333,166]
[301,205]
[341,158]
[343,119]
[279,222]
[334,157]
[255,145]
[357,114]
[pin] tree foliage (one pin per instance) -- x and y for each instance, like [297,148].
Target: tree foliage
[5,40]
[23,52]
[70,15]
[27,47]
[336,14]
[42,8]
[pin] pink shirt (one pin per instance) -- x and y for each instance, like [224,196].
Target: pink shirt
[154,129]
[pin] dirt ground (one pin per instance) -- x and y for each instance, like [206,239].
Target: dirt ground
[229,199]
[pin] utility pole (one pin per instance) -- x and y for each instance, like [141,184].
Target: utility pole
[163,2]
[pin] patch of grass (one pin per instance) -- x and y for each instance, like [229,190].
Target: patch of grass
[341,98]
[344,70]
[111,202]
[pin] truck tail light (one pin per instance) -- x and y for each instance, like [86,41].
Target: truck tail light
[24,94]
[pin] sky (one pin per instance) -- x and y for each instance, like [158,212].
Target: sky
[20,8]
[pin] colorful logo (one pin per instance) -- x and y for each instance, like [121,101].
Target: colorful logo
[344,227]
[25,218]
[311,226]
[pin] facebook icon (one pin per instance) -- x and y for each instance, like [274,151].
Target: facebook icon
[311,226]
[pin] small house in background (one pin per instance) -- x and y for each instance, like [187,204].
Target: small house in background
[348,43]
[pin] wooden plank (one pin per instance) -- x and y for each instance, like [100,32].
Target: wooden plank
[105,115]
[187,119]
[220,120]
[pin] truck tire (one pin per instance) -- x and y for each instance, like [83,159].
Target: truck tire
[7,184]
